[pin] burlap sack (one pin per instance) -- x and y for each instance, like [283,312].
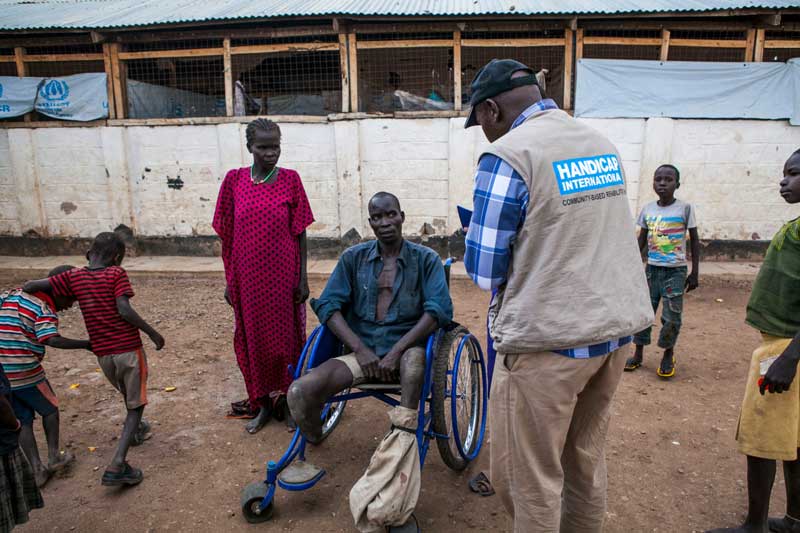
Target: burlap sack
[387,492]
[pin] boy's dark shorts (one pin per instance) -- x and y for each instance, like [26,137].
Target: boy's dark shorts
[127,372]
[38,398]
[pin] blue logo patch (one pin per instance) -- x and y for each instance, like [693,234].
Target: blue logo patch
[587,173]
[54,91]
[1,90]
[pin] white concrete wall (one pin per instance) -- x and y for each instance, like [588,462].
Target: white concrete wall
[69,182]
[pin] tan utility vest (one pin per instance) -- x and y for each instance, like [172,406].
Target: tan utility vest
[576,275]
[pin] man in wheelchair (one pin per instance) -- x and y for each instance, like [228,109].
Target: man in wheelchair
[382,301]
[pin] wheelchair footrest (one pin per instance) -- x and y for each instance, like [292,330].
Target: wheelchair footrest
[300,475]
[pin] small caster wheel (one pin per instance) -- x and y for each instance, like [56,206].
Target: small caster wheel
[252,496]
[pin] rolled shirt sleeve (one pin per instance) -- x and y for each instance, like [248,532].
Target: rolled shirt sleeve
[46,324]
[338,292]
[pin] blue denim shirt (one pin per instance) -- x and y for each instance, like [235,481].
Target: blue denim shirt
[419,287]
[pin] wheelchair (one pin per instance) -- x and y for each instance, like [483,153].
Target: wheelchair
[452,408]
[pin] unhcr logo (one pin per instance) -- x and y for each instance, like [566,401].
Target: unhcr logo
[587,173]
[54,91]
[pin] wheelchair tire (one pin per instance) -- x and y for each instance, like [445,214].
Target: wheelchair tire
[333,413]
[252,496]
[471,368]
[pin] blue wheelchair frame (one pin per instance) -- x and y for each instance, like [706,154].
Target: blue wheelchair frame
[323,345]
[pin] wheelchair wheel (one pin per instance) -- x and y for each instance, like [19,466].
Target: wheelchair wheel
[252,496]
[332,413]
[459,397]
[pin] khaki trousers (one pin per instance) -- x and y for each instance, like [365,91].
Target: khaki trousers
[549,418]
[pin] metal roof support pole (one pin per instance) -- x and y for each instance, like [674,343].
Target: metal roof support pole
[228,69]
[457,70]
[568,64]
[664,55]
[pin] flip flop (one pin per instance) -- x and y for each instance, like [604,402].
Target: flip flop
[240,416]
[632,364]
[481,485]
[666,369]
[127,476]
[787,524]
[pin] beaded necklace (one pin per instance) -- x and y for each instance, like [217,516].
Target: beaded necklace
[265,178]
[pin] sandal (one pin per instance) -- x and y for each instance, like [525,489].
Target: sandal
[242,410]
[127,476]
[667,368]
[632,364]
[787,524]
[481,485]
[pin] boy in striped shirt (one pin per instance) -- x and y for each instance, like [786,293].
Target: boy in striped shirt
[103,292]
[28,323]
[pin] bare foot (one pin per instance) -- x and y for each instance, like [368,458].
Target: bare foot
[61,461]
[256,424]
[42,477]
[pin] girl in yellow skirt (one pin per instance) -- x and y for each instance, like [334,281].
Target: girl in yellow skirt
[769,423]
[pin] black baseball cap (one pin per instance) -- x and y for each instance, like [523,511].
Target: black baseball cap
[495,78]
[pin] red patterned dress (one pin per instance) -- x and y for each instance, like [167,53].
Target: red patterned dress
[259,226]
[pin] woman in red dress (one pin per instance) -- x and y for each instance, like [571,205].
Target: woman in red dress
[261,217]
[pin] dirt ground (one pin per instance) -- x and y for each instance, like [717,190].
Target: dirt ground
[672,462]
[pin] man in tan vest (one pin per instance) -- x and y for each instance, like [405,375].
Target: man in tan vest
[553,234]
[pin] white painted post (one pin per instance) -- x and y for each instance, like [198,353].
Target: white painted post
[115,160]
[30,210]
[230,149]
[460,170]
[348,177]
[656,150]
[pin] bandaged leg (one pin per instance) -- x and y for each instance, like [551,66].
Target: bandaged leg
[387,493]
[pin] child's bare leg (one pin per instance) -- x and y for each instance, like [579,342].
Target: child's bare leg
[128,430]
[791,475]
[760,477]
[669,353]
[638,354]
[27,442]
[55,459]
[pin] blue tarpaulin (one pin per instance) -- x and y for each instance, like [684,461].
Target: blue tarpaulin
[81,97]
[610,88]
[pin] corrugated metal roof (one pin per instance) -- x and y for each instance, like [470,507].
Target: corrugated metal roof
[105,14]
